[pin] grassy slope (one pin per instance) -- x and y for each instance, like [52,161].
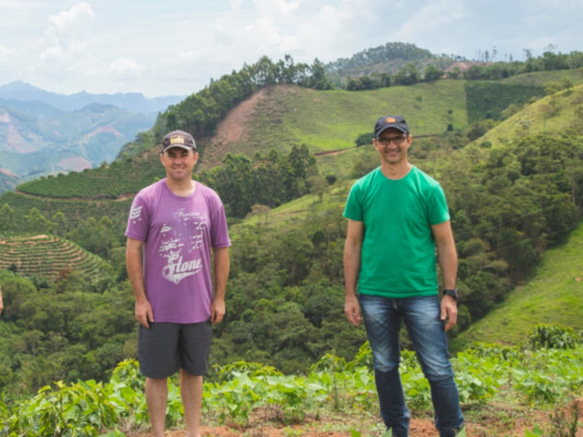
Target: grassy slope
[552,296]
[330,120]
[538,117]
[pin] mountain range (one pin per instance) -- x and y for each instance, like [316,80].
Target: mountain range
[134,102]
[45,133]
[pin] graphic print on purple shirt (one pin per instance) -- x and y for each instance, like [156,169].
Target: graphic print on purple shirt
[185,226]
[178,233]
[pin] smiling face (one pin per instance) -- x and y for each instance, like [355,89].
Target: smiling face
[179,163]
[392,145]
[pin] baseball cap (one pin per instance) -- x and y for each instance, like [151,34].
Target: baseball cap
[178,138]
[388,121]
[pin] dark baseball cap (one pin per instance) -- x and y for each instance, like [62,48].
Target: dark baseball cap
[388,121]
[178,138]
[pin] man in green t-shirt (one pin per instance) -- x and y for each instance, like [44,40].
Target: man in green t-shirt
[397,215]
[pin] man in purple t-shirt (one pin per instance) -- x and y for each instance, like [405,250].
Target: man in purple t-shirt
[173,226]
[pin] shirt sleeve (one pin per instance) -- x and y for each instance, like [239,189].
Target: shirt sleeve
[219,229]
[353,208]
[438,210]
[138,220]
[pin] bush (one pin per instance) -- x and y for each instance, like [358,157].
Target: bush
[364,139]
[545,336]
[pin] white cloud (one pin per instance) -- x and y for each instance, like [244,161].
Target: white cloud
[276,7]
[75,21]
[5,52]
[124,69]
[65,40]
[176,47]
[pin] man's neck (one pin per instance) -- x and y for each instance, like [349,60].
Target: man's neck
[396,171]
[180,188]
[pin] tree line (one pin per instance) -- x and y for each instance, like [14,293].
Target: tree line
[269,180]
[200,112]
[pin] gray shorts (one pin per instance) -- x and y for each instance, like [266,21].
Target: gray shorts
[164,348]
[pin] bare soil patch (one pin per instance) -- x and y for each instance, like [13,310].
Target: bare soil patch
[234,127]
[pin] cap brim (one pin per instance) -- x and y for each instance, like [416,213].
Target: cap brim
[179,146]
[405,131]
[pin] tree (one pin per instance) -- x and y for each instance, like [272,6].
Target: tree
[36,222]
[432,73]
[59,222]
[318,186]
[6,218]
[260,210]
[318,79]
[408,75]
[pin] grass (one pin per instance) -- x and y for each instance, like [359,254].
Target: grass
[297,210]
[331,120]
[556,113]
[552,296]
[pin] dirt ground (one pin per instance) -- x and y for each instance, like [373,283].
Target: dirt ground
[491,420]
[419,428]
[497,420]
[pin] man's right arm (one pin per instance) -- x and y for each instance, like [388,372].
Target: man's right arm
[135,268]
[352,258]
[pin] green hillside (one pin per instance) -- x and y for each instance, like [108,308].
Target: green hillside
[109,181]
[509,200]
[289,115]
[330,120]
[557,113]
[47,256]
[552,296]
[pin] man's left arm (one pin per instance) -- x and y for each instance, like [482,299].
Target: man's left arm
[221,267]
[447,254]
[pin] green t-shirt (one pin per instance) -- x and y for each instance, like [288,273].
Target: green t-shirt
[398,249]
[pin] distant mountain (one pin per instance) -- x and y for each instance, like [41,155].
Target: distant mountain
[136,102]
[8,180]
[44,133]
[37,139]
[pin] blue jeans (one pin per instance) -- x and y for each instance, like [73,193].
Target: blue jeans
[382,318]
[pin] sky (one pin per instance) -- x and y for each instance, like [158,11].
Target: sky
[175,47]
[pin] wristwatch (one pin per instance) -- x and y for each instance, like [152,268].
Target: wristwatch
[451,292]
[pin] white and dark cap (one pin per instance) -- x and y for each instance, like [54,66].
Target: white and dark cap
[178,138]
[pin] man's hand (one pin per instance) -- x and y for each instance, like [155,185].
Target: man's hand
[217,311]
[143,312]
[352,310]
[449,311]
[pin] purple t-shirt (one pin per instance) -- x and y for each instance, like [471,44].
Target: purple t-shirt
[178,234]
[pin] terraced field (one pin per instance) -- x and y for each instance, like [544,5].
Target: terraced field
[47,256]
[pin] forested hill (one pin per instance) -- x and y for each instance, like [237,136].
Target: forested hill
[387,59]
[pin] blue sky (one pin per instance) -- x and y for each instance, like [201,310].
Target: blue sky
[163,47]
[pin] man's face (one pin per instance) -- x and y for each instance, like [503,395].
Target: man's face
[392,145]
[179,163]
